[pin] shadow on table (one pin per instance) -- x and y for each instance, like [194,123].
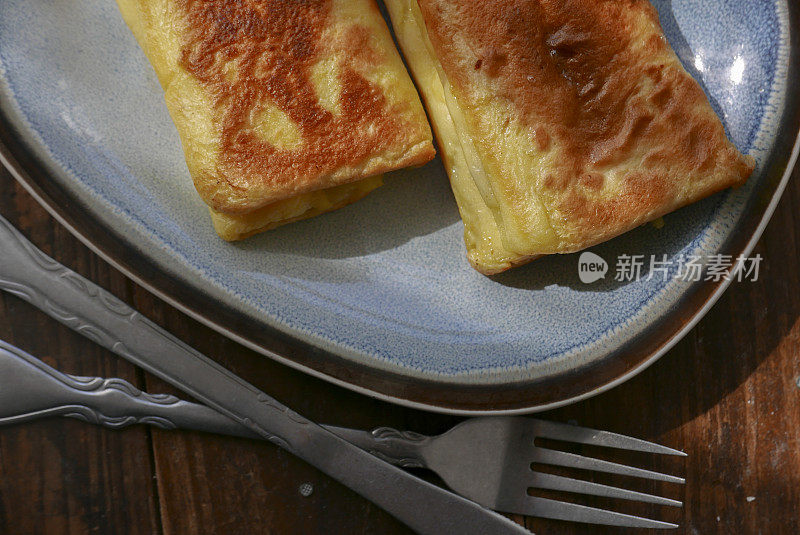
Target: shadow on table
[751,323]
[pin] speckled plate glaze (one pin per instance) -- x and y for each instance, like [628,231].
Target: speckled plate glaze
[378,296]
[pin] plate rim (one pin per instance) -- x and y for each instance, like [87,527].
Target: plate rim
[32,174]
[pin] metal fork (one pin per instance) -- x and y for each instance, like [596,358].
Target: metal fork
[487,460]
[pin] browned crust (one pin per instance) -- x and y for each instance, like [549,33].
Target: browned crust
[274,45]
[596,81]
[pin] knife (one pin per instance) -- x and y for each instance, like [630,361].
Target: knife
[81,305]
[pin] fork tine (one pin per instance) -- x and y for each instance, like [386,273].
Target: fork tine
[578,486]
[583,435]
[547,508]
[572,460]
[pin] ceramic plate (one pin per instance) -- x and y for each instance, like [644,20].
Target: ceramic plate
[378,296]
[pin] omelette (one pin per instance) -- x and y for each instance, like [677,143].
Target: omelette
[286,109]
[562,123]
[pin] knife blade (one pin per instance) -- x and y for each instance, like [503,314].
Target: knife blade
[78,303]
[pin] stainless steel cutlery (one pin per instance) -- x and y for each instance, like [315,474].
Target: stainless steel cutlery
[486,460]
[64,295]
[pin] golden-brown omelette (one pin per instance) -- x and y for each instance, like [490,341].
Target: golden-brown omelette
[279,101]
[562,123]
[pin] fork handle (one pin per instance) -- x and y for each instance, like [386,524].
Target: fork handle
[401,448]
[31,390]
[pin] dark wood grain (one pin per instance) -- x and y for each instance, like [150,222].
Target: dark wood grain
[727,395]
[64,476]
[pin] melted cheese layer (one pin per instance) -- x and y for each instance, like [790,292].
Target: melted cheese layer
[232,227]
[483,235]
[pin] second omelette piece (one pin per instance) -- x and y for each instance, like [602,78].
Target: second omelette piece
[285,108]
[562,123]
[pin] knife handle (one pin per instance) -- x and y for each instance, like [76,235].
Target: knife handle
[85,307]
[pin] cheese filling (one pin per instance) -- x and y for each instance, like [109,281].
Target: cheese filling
[490,245]
[232,227]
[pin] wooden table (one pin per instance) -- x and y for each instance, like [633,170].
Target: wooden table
[728,395]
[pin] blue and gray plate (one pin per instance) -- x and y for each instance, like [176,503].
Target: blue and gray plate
[378,296]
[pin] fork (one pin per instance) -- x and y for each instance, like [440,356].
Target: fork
[487,460]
